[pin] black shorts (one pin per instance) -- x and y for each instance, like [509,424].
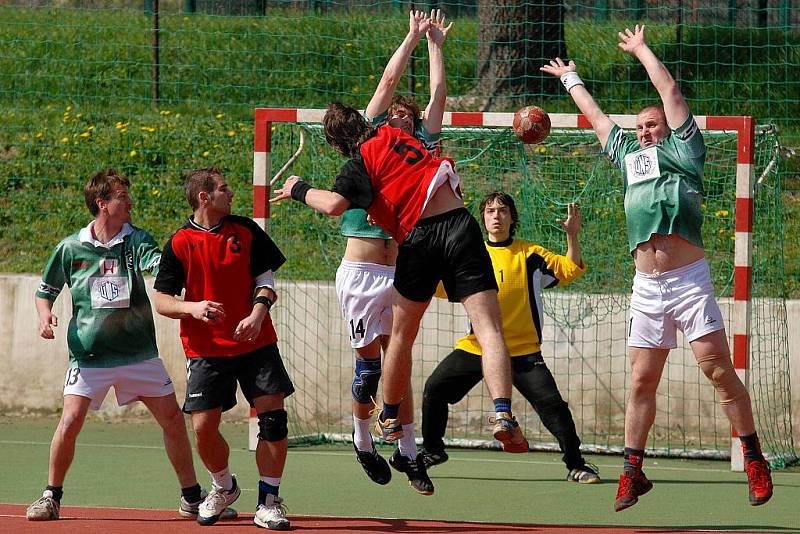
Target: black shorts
[447,247]
[211,382]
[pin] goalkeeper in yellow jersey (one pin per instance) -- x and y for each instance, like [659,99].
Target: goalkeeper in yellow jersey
[522,270]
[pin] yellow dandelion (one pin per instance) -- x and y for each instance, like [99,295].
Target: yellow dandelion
[69,108]
[65,139]
[165,112]
[24,137]
[231,133]
[177,115]
[349,45]
[85,134]
[205,154]
[38,135]
[721,213]
[91,127]
[371,76]
[155,192]
[272,129]
[123,130]
[219,115]
[133,153]
[418,85]
[79,115]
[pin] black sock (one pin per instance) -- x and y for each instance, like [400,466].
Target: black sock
[58,492]
[390,411]
[192,493]
[265,489]
[634,459]
[752,449]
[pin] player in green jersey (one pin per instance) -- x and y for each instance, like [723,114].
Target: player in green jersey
[672,290]
[111,336]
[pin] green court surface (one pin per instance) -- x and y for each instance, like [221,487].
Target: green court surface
[123,465]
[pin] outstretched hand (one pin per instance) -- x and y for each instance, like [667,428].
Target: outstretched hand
[572,224]
[285,191]
[437,32]
[630,41]
[557,67]
[418,23]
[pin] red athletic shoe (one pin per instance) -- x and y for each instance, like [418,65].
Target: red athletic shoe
[629,490]
[509,434]
[759,480]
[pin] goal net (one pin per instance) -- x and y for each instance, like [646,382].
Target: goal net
[585,323]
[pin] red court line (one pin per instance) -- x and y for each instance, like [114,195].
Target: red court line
[80,520]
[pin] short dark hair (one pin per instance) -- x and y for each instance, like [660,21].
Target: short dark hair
[401,101]
[345,128]
[100,186]
[506,200]
[200,180]
[658,108]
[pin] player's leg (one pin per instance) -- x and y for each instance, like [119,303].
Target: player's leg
[698,315]
[536,383]
[62,452]
[397,363]
[647,365]
[83,389]
[210,390]
[265,384]
[450,382]
[713,356]
[406,458]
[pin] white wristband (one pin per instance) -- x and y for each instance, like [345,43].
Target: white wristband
[571,79]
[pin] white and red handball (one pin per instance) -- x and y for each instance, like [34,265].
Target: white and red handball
[531,124]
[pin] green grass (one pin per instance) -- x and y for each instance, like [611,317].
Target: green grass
[472,486]
[75,89]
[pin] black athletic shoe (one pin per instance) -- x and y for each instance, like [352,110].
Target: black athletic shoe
[374,465]
[415,470]
[430,458]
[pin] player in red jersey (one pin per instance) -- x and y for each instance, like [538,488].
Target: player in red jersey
[416,198]
[225,263]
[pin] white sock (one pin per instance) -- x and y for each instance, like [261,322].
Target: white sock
[222,479]
[361,437]
[407,444]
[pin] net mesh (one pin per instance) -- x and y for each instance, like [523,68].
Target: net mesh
[585,324]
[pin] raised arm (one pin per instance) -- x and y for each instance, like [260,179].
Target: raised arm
[568,73]
[418,24]
[675,107]
[572,226]
[437,33]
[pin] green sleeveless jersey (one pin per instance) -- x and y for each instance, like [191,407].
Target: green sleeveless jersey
[663,183]
[354,221]
[112,323]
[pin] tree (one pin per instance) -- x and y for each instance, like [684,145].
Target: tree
[515,39]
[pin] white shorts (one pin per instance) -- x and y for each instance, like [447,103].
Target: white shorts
[365,295]
[147,378]
[681,299]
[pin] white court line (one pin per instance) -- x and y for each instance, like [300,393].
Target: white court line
[651,466]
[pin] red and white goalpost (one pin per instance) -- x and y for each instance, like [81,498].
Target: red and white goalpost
[744,128]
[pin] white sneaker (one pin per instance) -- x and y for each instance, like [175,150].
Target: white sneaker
[272,515]
[190,509]
[45,509]
[216,502]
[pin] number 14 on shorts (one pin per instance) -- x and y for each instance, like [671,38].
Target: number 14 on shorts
[356,329]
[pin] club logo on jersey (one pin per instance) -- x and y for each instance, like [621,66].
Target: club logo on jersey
[129,259]
[642,165]
[108,290]
[109,267]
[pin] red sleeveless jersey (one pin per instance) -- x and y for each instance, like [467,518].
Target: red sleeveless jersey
[401,170]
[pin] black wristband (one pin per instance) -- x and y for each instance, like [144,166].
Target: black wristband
[300,190]
[261,299]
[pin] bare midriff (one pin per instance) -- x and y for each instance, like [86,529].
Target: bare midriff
[371,250]
[662,253]
[442,201]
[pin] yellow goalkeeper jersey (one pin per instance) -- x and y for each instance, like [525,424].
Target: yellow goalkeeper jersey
[522,270]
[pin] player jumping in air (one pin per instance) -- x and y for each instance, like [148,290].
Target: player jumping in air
[663,181]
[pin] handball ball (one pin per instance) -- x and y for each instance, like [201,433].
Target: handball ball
[531,124]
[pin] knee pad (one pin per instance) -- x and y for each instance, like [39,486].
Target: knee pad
[722,375]
[272,426]
[365,381]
